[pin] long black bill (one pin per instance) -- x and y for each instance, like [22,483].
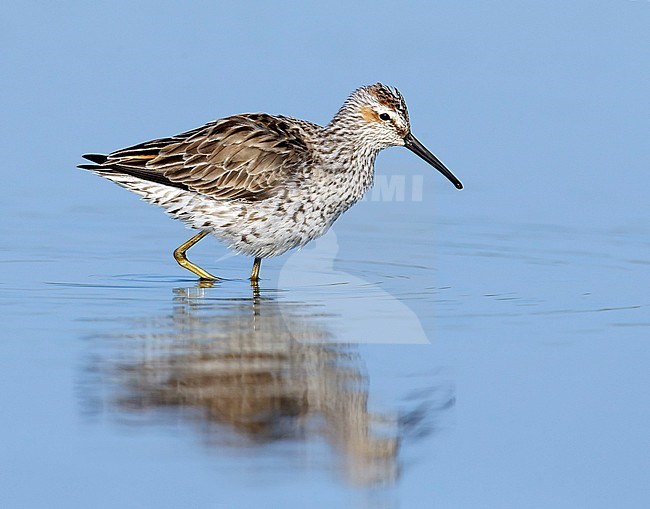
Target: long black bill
[412,143]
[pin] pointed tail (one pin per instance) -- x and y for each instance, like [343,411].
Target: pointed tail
[99,159]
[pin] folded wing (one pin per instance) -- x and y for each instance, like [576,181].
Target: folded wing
[248,157]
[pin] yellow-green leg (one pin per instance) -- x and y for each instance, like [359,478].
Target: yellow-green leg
[179,254]
[255,273]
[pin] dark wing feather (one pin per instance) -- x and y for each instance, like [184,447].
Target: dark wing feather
[245,157]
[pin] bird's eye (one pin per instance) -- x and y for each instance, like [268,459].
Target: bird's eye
[384,116]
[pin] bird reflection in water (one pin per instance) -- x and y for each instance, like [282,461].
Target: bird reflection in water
[255,370]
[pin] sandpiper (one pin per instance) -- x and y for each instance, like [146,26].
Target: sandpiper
[264,184]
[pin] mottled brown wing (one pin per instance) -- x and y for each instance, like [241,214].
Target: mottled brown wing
[245,156]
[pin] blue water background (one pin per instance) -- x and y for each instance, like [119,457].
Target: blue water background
[531,285]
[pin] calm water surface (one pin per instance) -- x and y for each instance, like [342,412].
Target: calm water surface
[377,366]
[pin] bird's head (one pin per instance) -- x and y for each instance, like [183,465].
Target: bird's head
[380,114]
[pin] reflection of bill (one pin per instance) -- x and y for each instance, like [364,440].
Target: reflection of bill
[361,312]
[264,368]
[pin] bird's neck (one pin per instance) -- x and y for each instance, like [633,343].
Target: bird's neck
[349,160]
[346,143]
